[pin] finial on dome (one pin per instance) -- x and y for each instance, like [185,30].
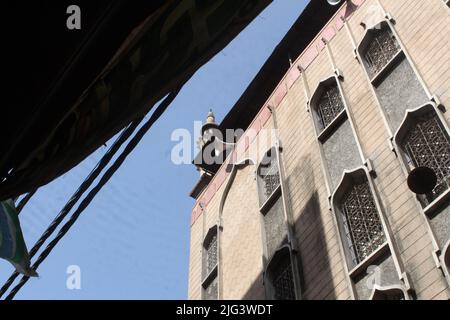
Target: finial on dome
[211,119]
[209,125]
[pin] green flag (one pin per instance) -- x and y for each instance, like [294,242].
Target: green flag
[12,244]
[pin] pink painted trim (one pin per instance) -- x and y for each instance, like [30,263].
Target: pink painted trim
[329,33]
[292,77]
[311,52]
[279,95]
[264,116]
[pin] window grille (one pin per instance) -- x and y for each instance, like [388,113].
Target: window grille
[209,265]
[381,50]
[279,270]
[362,223]
[329,105]
[281,276]
[268,177]
[428,145]
[211,254]
[284,282]
[271,180]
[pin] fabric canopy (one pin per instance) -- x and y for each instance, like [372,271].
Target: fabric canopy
[158,55]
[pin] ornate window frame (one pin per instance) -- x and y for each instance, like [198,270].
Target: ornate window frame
[324,132]
[266,204]
[405,126]
[341,117]
[210,274]
[284,252]
[353,271]
[367,168]
[273,154]
[266,200]
[386,22]
[347,181]
[325,128]
[438,252]
[365,43]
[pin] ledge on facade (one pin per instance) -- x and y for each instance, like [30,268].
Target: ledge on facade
[202,183]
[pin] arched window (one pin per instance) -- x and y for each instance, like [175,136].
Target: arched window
[271,203]
[209,265]
[397,84]
[211,254]
[334,129]
[427,144]
[327,103]
[382,46]
[279,276]
[360,223]
[268,176]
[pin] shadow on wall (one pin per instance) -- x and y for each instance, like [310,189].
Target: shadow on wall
[309,228]
[256,291]
[313,259]
[317,279]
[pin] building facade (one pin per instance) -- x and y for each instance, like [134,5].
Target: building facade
[339,188]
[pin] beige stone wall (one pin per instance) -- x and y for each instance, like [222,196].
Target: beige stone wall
[241,240]
[423,27]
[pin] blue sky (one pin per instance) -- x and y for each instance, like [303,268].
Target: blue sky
[133,240]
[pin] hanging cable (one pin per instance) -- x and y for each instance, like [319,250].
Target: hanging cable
[104,179]
[77,195]
[25,200]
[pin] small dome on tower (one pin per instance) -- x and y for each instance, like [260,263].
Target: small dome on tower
[211,119]
[209,125]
